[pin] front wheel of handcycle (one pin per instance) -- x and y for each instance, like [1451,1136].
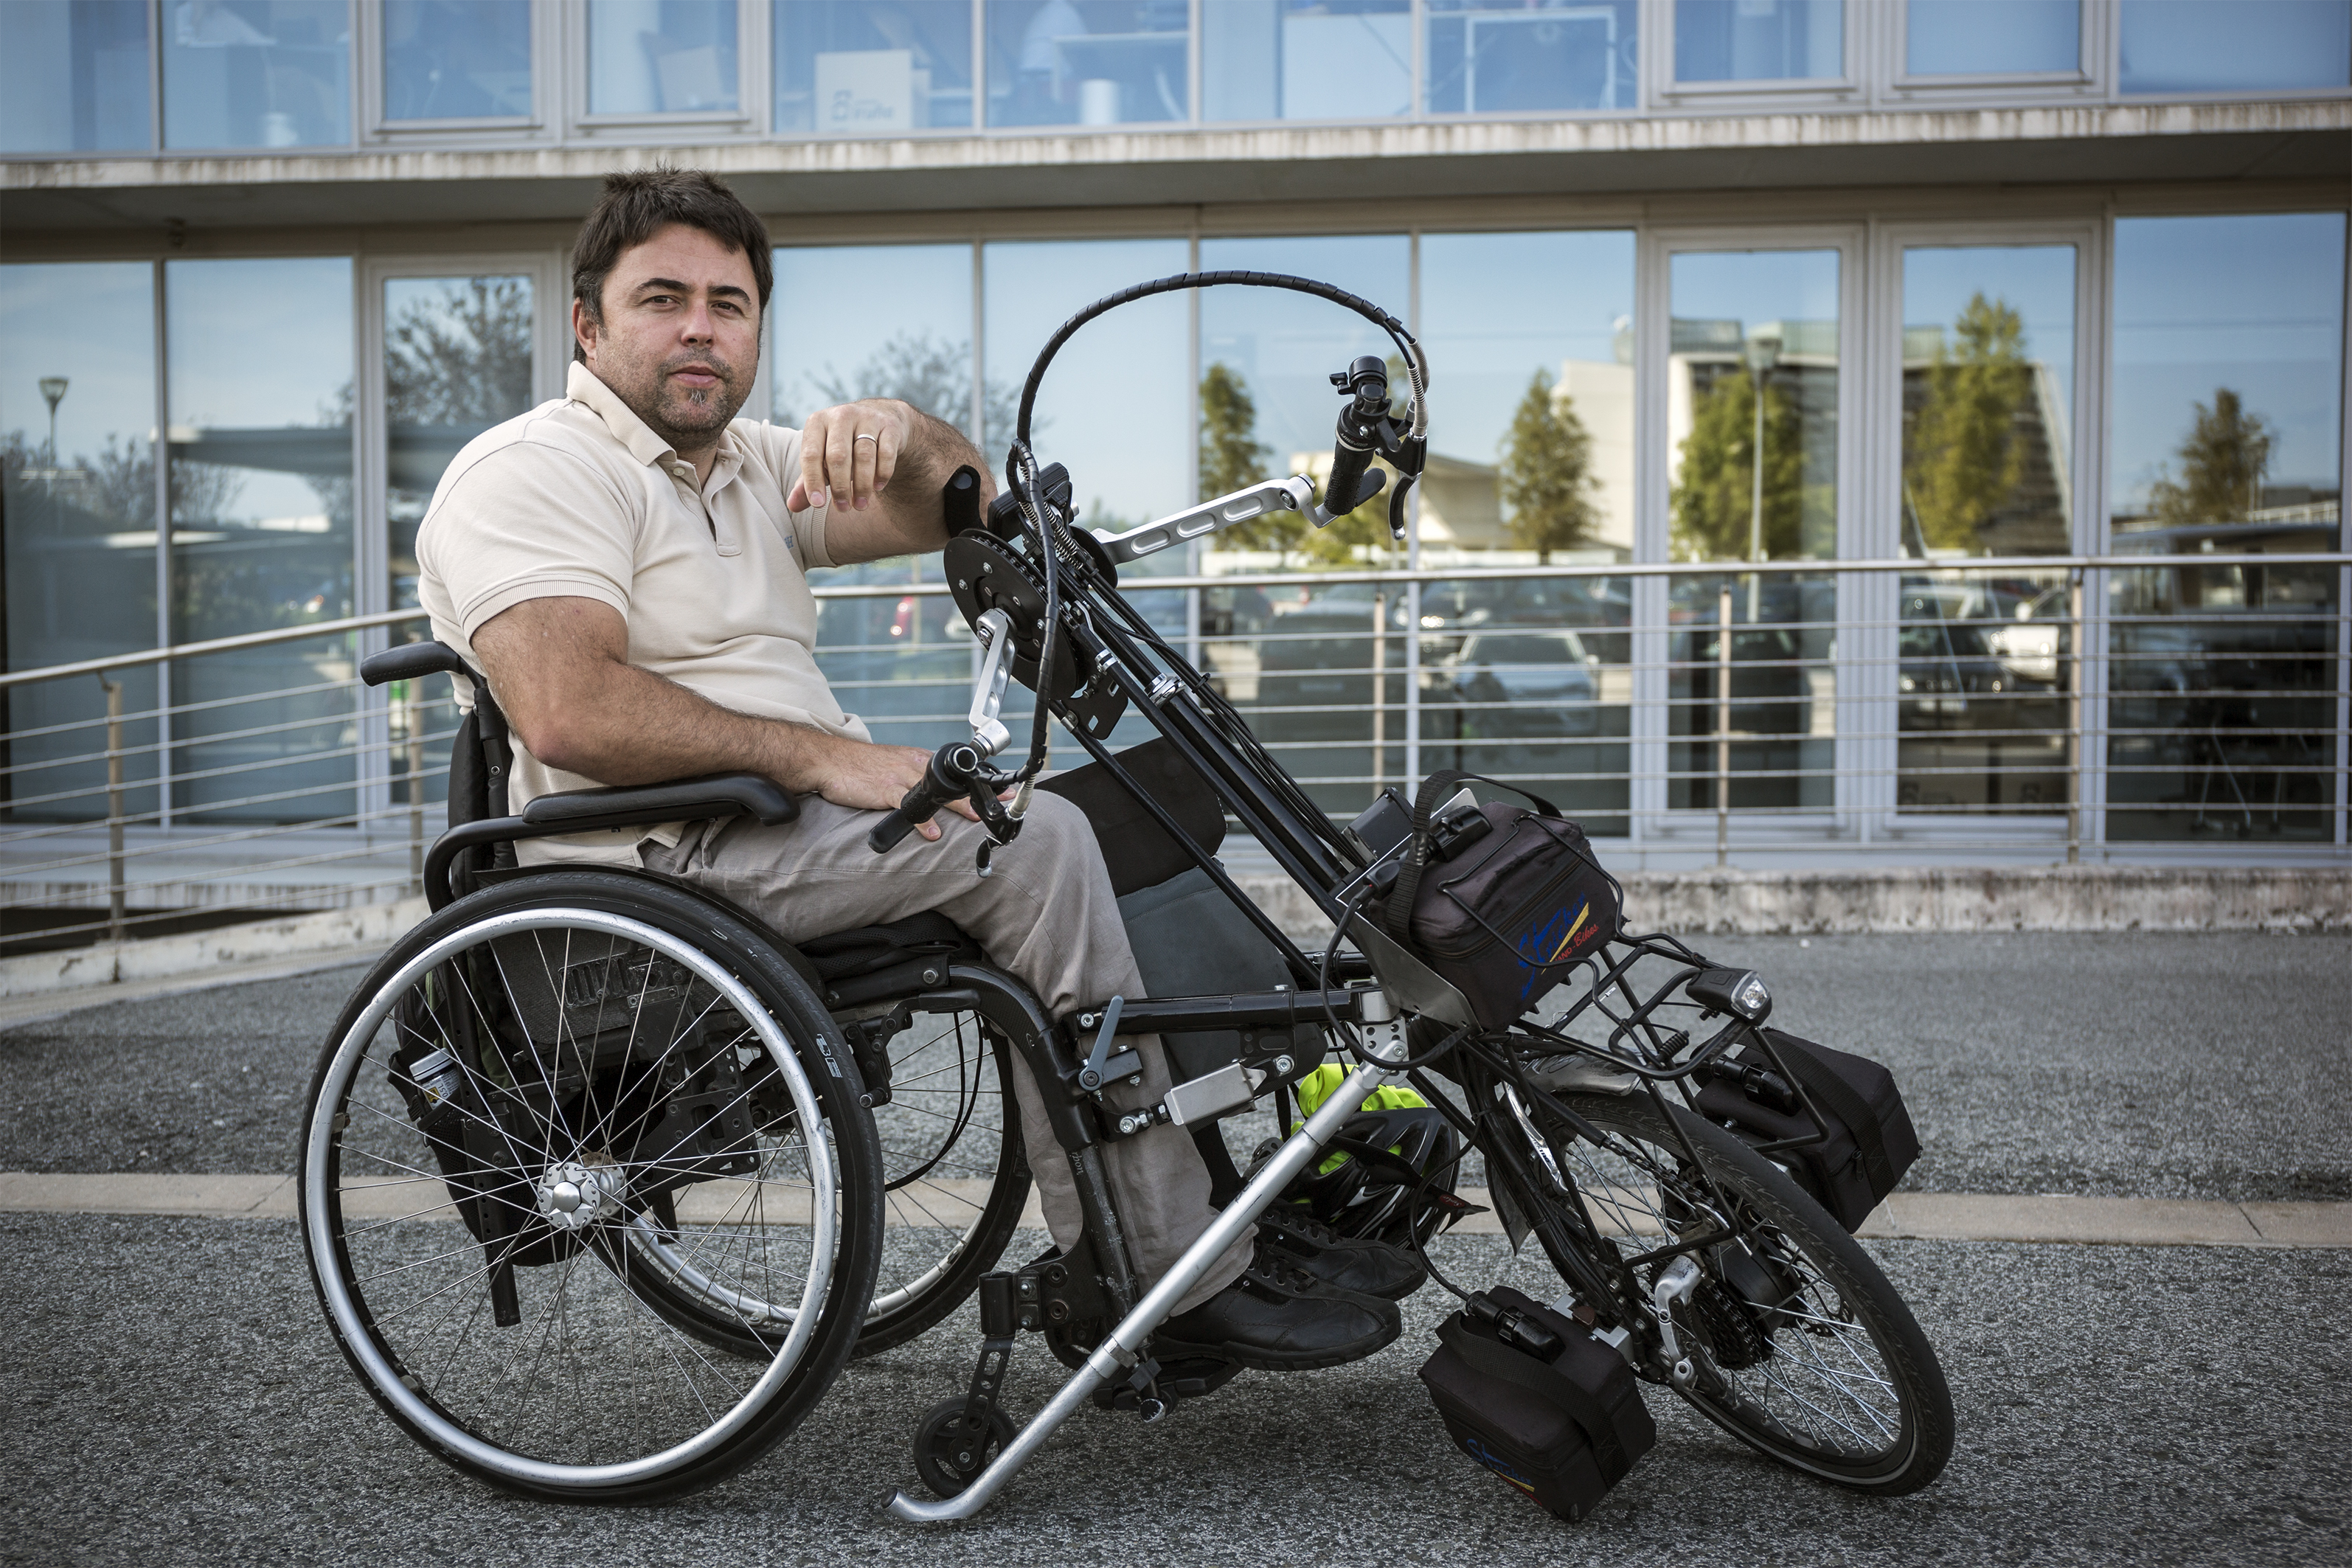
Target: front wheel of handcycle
[1805,1351]
[560,1127]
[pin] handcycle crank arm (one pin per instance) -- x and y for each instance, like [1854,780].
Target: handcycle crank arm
[1123,1345]
[1296,493]
[989,735]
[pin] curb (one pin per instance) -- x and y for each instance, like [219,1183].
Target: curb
[1945,899]
[118,964]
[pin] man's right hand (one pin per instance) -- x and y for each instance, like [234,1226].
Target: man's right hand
[877,778]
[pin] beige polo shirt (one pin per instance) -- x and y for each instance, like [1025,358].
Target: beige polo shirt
[577,499]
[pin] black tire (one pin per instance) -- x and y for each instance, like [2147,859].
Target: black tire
[662,1070]
[1843,1352]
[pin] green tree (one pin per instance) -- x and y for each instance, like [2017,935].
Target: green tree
[1548,483]
[2222,466]
[1963,459]
[936,378]
[1713,493]
[464,359]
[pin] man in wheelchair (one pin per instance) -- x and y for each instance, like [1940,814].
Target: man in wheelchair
[627,566]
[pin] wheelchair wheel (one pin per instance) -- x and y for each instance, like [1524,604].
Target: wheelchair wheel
[953,1169]
[524,1086]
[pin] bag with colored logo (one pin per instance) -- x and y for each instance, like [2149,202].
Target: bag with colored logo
[1530,1394]
[1501,900]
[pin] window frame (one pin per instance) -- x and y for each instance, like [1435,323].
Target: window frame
[377,131]
[1861,24]
[750,117]
[2092,78]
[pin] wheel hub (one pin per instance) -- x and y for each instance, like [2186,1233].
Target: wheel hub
[572,1196]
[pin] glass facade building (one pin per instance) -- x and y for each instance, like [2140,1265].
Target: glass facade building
[1821,436]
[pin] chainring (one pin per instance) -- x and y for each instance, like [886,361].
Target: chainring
[990,575]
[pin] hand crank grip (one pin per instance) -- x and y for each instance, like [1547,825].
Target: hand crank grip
[953,767]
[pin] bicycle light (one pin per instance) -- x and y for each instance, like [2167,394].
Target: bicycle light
[1738,992]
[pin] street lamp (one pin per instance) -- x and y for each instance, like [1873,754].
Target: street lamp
[1763,353]
[53,387]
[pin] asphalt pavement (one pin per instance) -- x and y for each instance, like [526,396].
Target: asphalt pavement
[172,1397]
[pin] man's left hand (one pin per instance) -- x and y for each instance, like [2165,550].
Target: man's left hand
[848,453]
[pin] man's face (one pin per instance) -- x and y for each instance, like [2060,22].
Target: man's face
[681,337]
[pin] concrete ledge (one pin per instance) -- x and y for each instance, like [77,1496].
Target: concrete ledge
[162,957]
[1943,899]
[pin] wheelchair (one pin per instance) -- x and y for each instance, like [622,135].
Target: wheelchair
[602,1184]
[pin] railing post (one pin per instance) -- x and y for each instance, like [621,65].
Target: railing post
[2076,708]
[1379,689]
[1723,726]
[114,903]
[413,718]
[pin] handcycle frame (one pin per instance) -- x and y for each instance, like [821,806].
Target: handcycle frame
[1403,1022]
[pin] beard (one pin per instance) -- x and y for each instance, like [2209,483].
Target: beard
[685,417]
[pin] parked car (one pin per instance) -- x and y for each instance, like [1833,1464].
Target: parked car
[1769,695]
[1547,678]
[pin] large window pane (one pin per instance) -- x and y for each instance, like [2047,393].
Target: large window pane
[260,443]
[2243,46]
[73,75]
[1984,37]
[76,341]
[1986,659]
[257,73]
[661,56]
[1486,57]
[1759,40]
[1305,59]
[456,60]
[1103,62]
[847,68]
[1531,462]
[1741,319]
[2226,437]
[456,361]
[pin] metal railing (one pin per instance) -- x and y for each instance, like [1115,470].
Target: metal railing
[2037,705]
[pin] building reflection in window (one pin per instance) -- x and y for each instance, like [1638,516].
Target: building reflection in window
[1305,59]
[1984,663]
[1488,58]
[1531,462]
[260,450]
[661,56]
[1742,321]
[1088,62]
[2225,438]
[1759,40]
[73,75]
[2246,46]
[77,339]
[257,73]
[456,60]
[873,68]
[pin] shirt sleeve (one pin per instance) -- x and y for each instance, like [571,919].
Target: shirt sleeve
[780,451]
[530,521]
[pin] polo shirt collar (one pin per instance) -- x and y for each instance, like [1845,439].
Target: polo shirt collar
[582,386]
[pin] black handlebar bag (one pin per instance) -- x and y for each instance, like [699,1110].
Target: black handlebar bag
[1502,911]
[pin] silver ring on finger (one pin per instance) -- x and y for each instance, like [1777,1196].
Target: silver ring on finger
[875,440]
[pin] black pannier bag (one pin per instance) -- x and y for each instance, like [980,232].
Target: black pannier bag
[1870,1140]
[1534,1397]
[1499,900]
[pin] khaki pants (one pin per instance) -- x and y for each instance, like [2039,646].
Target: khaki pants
[1046,916]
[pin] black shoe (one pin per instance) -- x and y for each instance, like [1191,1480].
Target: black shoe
[1278,1318]
[1352,1263]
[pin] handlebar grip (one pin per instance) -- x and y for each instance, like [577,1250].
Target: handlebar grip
[960,499]
[893,827]
[1347,466]
[952,767]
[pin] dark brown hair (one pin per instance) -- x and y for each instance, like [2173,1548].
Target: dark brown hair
[638,203]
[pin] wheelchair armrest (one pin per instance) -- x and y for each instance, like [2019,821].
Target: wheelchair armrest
[681,800]
[411,660]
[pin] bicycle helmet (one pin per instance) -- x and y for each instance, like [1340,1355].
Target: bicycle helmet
[1371,1198]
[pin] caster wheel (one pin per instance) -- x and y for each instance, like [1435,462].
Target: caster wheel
[950,1450]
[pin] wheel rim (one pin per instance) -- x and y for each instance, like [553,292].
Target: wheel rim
[943,1151]
[443,1367]
[1824,1389]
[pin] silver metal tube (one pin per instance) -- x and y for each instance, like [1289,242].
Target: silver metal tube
[114,900]
[1723,726]
[1137,1326]
[413,718]
[2075,711]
